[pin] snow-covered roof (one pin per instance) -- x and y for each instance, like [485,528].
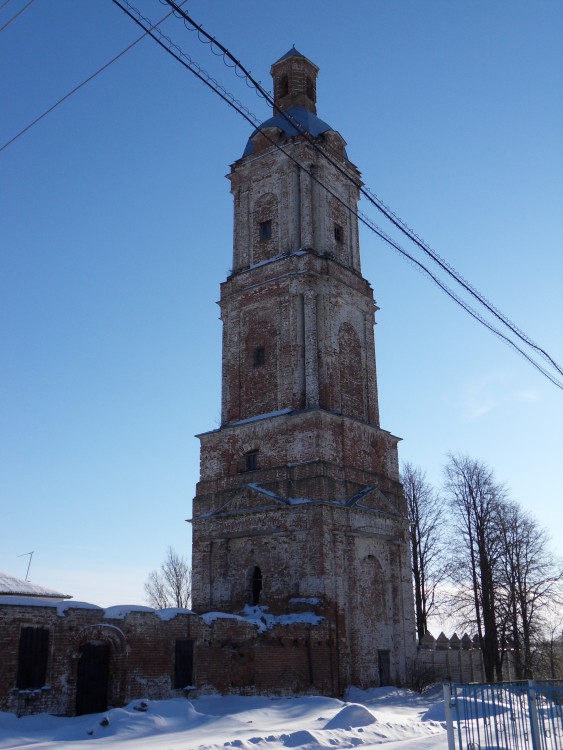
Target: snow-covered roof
[11,586]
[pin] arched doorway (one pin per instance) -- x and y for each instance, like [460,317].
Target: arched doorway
[92,677]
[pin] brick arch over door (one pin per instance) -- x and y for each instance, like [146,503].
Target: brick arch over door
[259,370]
[350,373]
[98,668]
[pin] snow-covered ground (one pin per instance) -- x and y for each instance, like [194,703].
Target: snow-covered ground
[397,718]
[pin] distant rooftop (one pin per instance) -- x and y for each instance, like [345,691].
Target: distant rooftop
[11,586]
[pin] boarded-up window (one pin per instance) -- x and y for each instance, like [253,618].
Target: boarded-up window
[183,663]
[32,658]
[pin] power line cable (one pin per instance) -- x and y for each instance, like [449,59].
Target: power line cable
[13,18]
[80,85]
[187,61]
[366,192]
[162,39]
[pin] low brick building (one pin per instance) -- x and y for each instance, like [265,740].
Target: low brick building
[72,658]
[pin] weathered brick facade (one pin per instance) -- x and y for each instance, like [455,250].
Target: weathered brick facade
[228,655]
[299,516]
[299,496]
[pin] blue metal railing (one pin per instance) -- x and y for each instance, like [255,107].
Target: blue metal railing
[505,715]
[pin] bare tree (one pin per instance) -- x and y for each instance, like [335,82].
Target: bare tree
[171,585]
[548,652]
[528,586]
[426,516]
[476,500]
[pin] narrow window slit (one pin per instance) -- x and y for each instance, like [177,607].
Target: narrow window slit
[259,356]
[251,461]
[266,230]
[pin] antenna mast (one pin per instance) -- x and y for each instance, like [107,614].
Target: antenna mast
[29,563]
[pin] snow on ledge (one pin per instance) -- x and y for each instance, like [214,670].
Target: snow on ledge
[210,617]
[36,601]
[261,619]
[119,611]
[259,417]
[169,613]
[278,257]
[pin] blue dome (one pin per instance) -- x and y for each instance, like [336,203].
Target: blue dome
[301,116]
[292,53]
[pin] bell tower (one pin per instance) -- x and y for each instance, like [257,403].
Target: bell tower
[299,495]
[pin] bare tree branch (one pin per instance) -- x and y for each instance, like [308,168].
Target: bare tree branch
[426,511]
[171,586]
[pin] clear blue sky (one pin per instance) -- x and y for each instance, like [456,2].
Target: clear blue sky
[116,226]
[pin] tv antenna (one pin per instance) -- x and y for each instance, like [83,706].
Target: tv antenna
[28,564]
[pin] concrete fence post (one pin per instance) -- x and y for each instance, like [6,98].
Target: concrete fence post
[533,713]
[449,715]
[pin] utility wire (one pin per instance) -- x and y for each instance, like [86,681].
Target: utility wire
[80,85]
[13,18]
[253,120]
[367,222]
[371,197]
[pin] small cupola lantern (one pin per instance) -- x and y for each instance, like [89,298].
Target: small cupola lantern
[295,82]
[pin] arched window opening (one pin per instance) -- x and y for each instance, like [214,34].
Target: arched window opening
[284,86]
[256,586]
[310,88]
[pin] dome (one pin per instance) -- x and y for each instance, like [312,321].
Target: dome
[306,120]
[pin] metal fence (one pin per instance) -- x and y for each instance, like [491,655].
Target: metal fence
[505,716]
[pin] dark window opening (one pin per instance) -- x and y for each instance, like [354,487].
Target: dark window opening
[310,89]
[338,233]
[183,663]
[256,585]
[259,355]
[251,461]
[266,230]
[284,86]
[32,658]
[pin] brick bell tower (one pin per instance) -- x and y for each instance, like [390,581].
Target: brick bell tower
[299,496]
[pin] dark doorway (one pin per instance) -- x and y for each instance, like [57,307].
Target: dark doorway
[384,658]
[256,585]
[183,663]
[92,678]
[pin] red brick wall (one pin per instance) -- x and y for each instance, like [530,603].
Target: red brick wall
[229,656]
